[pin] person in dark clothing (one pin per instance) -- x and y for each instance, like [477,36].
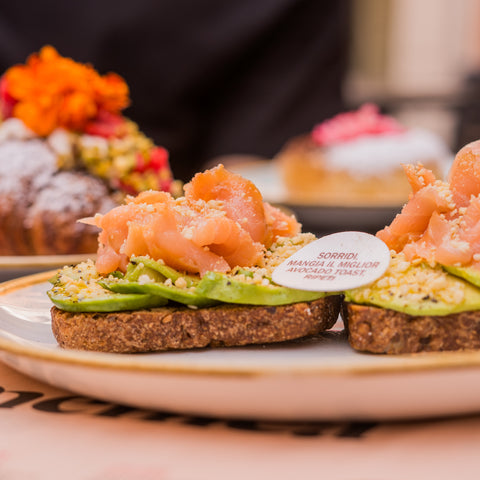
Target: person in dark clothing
[207,78]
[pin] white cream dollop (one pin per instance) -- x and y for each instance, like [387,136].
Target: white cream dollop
[377,155]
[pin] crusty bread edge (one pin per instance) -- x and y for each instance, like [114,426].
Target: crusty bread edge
[379,330]
[174,328]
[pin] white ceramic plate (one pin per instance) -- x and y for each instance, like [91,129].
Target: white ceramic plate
[315,379]
[16,266]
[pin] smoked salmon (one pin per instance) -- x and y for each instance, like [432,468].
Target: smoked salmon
[221,222]
[464,176]
[242,201]
[441,221]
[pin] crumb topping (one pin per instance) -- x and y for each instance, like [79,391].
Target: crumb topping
[408,283]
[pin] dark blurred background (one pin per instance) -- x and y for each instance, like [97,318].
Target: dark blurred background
[213,77]
[208,77]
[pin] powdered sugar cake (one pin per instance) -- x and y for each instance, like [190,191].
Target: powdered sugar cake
[68,156]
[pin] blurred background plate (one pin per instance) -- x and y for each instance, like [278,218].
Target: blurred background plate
[18,266]
[323,220]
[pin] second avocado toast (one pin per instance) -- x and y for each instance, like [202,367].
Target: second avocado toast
[429,298]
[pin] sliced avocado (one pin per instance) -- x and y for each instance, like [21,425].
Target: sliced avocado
[470,274]
[165,270]
[107,302]
[247,273]
[418,290]
[170,292]
[78,289]
[135,271]
[226,289]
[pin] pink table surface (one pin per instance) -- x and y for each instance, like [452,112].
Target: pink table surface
[47,433]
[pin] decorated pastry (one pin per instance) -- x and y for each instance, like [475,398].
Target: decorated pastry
[66,152]
[355,158]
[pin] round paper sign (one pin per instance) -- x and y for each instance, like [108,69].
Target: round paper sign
[336,262]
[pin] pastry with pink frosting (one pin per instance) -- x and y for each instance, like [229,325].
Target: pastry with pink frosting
[356,158]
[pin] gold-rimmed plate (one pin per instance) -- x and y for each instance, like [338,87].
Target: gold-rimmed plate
[315,379]
[21,265]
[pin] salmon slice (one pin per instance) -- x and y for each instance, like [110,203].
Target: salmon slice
[449,248]
[109,260]
[239,250]
[464,175]
[114,230]
[440,243]
[165,241]
[241,199]
[410,224]
[135,243]
[418,176]
[470,225]
[151,197]
[210,230]
[279,224]
[225,237]
[441,221]
[150,229]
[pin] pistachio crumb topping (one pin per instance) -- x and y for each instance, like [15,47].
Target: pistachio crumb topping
[79,281]
[279,251]
[406,284]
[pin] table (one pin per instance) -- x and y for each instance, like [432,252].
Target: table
[47,433]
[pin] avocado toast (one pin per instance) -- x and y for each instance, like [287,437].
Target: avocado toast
[413,308]
[429,298]
[188,272]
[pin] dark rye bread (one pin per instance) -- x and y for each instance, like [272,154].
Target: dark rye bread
[379,330]
[173,328]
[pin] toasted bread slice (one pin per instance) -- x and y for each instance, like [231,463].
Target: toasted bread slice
[380,330]
[172,328]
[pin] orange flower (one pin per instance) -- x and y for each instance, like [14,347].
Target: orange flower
[52,91]
[111,93]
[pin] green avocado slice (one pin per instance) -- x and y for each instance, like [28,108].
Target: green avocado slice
[165,270]
[226,289]
[134,271]
[170,292]
[418,290]
[107,302]
[470,274]
[77,289]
